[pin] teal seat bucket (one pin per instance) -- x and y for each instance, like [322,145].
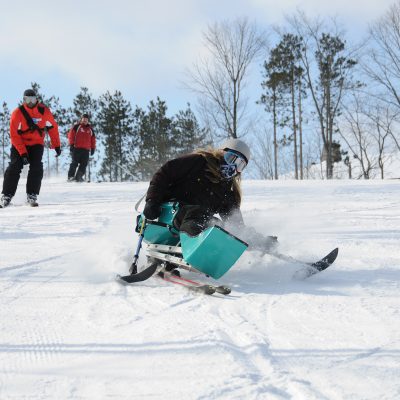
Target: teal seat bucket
[213,251]
[161,231]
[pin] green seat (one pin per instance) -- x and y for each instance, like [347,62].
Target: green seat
[161,231]
[213,252]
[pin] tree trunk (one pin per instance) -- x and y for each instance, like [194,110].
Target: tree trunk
[234,122]
[296,167]
[300,133]
[275,141]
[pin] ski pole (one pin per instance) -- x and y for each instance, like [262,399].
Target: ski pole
[133,268]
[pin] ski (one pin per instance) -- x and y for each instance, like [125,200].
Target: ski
[140,276]
[194,285]
[314,268]
[222,289]
[200,288]
[309,269]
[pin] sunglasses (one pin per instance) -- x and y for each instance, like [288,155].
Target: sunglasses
[232,158]
[30,99]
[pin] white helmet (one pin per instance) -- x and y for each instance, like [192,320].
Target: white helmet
[237,145]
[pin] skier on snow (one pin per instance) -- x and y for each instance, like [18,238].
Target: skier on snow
[205,183]
[28,125]
[82,141]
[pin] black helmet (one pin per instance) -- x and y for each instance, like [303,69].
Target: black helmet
[29,92]
[85,116]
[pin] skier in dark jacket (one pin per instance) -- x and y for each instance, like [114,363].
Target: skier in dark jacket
[205,183]
[82,141]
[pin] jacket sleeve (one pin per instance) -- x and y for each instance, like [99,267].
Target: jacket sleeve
[52,129]
[71,136]
[15,137]
[230,211]
[171,173]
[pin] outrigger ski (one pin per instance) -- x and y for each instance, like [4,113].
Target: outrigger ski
[311,269]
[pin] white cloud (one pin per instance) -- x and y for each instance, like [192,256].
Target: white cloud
[135,46]
[102,44]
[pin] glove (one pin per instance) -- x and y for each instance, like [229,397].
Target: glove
[71,149]
[152,210]
[25,159]
[92,151]
[58,151]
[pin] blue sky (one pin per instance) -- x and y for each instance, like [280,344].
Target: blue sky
[139,47]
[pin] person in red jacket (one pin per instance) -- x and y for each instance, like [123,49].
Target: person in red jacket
[28,125]
[82,141]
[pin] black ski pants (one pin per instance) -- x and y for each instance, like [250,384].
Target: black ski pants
[13,171]
[193,219]
[80,159]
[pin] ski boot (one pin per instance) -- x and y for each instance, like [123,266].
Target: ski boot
[31,200]
[5,201]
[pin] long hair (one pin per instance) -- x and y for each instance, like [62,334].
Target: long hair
[214,158]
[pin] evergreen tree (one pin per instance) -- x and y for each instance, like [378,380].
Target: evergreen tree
[162,138]
[285,60]
[187,133]
[273,100]
[84,103]
[115,123]
[333,81]
[4,136]
[155,134]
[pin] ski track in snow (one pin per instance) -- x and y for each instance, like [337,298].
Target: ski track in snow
[69,331]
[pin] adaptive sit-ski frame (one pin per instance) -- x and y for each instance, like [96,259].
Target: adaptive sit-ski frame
[213,252]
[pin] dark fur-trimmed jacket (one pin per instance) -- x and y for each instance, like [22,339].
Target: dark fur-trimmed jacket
[184,179]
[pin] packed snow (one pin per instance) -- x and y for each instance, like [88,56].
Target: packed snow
[70,331]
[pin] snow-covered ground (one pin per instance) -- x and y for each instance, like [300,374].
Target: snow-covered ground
[69,331]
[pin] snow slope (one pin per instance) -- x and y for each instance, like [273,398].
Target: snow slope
[68,331]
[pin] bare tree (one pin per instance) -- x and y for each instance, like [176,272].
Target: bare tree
[355,131]
[382,120]
[219,78]
[263,157]
[382,63]
[368,125]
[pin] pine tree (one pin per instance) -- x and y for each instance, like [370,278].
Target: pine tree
[187,134]
[155,134]
[273,100]
[161,138]
[115,124]
[84,103]
[333,80]
[285,57]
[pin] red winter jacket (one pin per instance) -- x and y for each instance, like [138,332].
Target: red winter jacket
[82,137]
[20,134]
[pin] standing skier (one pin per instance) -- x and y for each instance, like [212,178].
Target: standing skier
[205,183]
[82,142]
[28,125]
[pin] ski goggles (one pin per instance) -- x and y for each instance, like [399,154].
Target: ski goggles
[236,159]
[30,99]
